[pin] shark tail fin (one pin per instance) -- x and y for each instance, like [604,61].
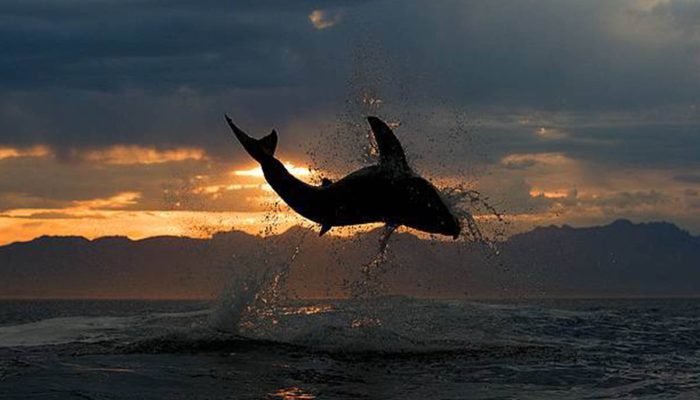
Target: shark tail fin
[268,144]
[259,149]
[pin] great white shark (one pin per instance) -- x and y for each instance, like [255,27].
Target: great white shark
[389,192]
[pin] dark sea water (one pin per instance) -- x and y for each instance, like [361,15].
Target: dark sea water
[387,348]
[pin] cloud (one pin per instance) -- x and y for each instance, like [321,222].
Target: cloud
[165,79]
[130,44]
[554,188]
[13,152]
[322,19]
[120,200]
[624,201]
[660,21]
[240,44]
[522,161]
[141,155]
[551,133]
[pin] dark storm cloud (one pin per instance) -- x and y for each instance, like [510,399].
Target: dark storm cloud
[112,45]
[633,144]
[591,55]
[559,54]
[85,73]
[92,73]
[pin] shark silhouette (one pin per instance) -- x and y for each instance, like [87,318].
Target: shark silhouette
[388,192]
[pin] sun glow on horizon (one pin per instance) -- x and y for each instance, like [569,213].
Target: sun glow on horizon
[27,224]
[257,171]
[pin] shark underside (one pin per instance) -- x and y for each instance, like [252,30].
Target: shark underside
[388,192]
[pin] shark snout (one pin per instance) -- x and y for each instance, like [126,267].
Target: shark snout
[454,227]
[449,225]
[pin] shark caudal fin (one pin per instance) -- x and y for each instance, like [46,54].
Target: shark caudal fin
[259,149]
[390,151]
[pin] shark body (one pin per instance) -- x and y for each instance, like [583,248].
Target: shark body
[389,192]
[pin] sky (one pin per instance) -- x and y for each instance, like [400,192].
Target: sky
[559,112]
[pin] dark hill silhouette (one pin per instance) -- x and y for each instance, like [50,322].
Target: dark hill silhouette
[617,260]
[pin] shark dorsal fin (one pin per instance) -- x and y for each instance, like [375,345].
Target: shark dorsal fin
[390,151]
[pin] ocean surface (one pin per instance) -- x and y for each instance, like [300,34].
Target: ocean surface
[385,348]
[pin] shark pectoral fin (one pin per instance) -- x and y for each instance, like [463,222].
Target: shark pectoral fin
[268,144]
[326,182]
[325,228]
[390,151]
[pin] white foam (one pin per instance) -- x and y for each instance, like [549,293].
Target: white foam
[64,330]
[88,329]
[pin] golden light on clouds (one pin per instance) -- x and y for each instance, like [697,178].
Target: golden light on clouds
[322,19]
[118,154]
[212,189]
[114,215]
[537,188]
[551,194]
[258,172]
[215,191]
[78,208]
[120,200]
[245,179]
[142,155]
[523,159]
[14,152]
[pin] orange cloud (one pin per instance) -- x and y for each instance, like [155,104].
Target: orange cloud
[553,194]
[529,159]
[322,19]
[120,200]
[142,155]
[14,152]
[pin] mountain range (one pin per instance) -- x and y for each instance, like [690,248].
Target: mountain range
[622,259]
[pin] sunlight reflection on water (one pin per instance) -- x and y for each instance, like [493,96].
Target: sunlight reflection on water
[291,393]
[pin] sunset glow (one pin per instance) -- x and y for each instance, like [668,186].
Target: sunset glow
[258,172]
[23,225]
[142,155]
[35,151]
[113,145]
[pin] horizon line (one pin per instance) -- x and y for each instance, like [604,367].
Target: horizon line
[355,231]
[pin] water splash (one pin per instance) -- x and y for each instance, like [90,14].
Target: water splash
[233,303]
[465,204]
[371,285]
[250,305]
